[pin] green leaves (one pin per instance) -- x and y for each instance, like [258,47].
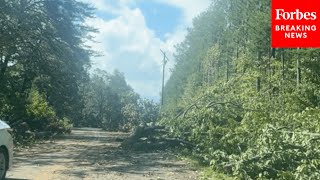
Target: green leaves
[42,62]
[110,103]
[252,110]
[38,107]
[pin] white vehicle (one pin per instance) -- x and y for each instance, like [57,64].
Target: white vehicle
[6,149]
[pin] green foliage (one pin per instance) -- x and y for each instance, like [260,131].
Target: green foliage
[252,111]
[148,110]
[61,125]
[44,80]
[38,107]
[42,117]
[110,103]
[43,62]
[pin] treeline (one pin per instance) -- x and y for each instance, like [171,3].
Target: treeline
[110,103]
[253,111]
[45,85]
[43,61]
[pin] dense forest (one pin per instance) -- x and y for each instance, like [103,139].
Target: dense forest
[252,111]
[110,103]
[45,83]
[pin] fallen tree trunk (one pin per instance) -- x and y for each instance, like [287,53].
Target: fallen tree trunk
[146,131]
[153,138]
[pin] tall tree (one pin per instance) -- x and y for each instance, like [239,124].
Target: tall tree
[42,49]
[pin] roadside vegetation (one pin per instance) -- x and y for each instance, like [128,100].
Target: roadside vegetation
[252,111]
[45,84]
[249,111]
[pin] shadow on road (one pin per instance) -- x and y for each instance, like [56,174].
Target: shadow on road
[92,151]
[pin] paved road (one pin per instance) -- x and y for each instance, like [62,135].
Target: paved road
[95,154]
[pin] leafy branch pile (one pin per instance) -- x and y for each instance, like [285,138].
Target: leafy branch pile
[253,111]
[148,138]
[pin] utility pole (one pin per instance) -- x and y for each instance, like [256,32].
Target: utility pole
[165,60]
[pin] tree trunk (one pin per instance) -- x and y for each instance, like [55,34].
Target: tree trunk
[298,69]
[283,65]
[258,81]
[228,70]
[4,66]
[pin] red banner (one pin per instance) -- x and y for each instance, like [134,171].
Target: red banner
[295,24]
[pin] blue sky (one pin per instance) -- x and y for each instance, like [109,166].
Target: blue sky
[132,32]
[161,18]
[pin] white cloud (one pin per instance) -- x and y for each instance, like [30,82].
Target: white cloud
[131,47]
[128,45]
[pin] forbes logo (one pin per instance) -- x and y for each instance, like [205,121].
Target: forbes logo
[295,24]
[281,14]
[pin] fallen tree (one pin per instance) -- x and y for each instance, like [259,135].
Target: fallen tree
[148,138]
